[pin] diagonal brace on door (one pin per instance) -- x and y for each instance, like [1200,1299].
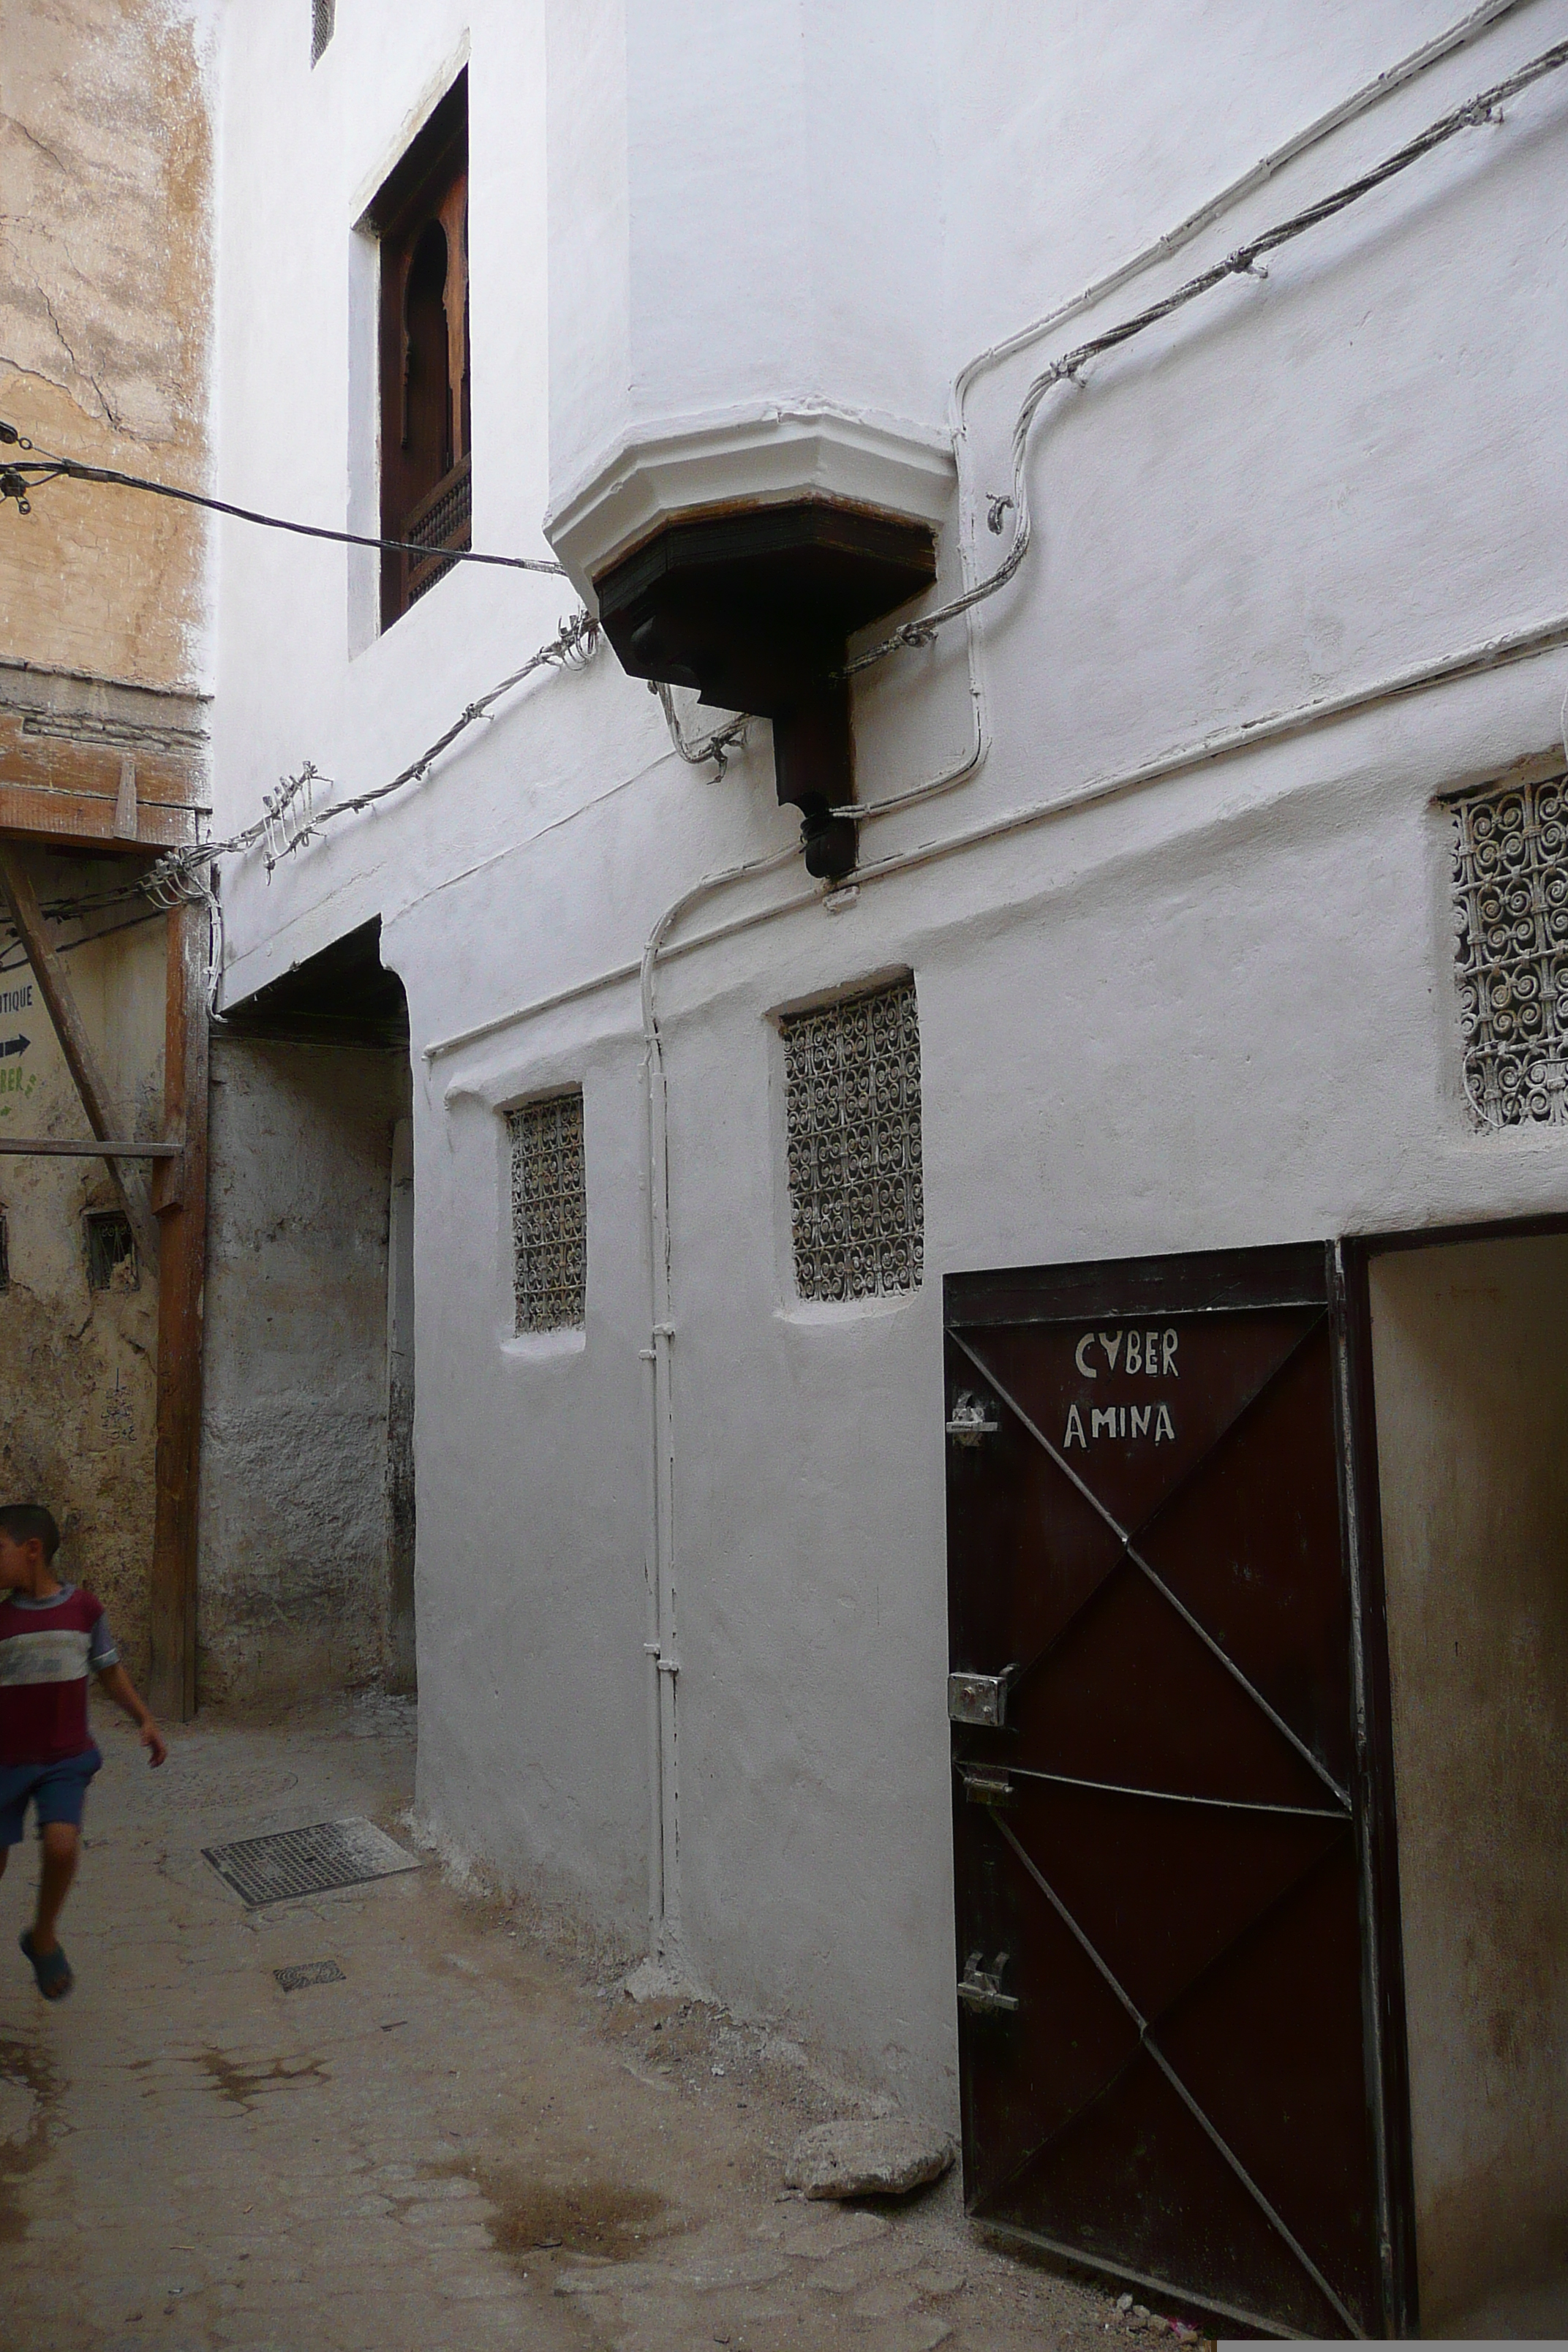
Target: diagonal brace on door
[1146,2036]
[16,886]
[1130,1548]
[1249,1927]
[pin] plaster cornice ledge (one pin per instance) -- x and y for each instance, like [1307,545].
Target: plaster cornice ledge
[760,458]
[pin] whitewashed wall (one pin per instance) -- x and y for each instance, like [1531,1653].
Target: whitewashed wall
[1214,1012]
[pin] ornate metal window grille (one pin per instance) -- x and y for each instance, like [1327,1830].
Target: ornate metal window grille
[549,1214]
[1510,905]
[323,21]
[857,1201]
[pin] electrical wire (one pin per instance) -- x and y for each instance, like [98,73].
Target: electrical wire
[14,958]
[176,874]
[1244,260]
[290,816]
[19,476]
[923,628]
[717,746]
[1394,78]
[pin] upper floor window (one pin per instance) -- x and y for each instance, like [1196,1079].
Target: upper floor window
[422,220]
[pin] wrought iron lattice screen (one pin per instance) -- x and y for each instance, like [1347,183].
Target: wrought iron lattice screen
[1510,905]
[323,21]
[856,1202]
[548,1214]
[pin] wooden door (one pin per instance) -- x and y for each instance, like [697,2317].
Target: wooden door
[1164,1936]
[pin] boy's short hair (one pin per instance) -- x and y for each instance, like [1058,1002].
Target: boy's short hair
[22,1521]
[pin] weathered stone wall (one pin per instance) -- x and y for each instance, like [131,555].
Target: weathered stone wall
[294,1513]
[76,1366]
[105,311]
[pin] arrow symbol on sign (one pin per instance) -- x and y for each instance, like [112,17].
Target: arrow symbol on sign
[14,1045]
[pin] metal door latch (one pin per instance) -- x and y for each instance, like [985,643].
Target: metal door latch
[986,1784]
[972,1419]
[980,1989]
[979,1698]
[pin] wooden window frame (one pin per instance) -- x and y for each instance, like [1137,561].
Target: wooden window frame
[427,502]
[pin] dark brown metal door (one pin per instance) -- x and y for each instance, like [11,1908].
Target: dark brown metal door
[1165,2003]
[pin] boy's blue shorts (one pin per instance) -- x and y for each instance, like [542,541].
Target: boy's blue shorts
[59,1792]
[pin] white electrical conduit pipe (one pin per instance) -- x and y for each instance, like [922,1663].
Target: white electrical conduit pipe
[1494,653]
[1458,36]
[659,1645]
[1446,45]
[1244,260]
[716,746]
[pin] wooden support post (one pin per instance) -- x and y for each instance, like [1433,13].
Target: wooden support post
[180,1202]
[17,884]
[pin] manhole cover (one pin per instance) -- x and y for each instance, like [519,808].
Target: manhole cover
[311,1861]
[309,1973]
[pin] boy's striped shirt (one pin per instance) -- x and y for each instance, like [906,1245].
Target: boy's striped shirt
[48,1651]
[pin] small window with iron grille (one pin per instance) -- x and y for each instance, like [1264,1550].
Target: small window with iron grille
[853,1140]
[1510,922]
[421,220]
[549,1214]
[323,21]
[110,1252]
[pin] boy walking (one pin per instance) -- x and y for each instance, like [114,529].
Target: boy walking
[52,1636]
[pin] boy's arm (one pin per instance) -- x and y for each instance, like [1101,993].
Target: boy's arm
[117,1685]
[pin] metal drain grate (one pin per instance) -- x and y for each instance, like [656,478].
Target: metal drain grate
[309,1973]
[291,1863]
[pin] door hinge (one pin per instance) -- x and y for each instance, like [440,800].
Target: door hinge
[979,1698]
[986,1784]
[980,1989]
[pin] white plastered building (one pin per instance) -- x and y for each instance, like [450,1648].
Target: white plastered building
[1163,960]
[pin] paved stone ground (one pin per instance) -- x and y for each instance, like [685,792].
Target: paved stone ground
[473,2140]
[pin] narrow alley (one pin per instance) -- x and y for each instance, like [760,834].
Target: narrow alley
[469,2135]
[784,1018]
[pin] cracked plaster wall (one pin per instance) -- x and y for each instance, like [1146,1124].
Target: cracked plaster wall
[105,312]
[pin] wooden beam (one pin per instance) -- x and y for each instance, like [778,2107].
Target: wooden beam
[50,813]
[180,1202]
[16,885]
[38,1147]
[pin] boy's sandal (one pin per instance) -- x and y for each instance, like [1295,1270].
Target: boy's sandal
[51,1970]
